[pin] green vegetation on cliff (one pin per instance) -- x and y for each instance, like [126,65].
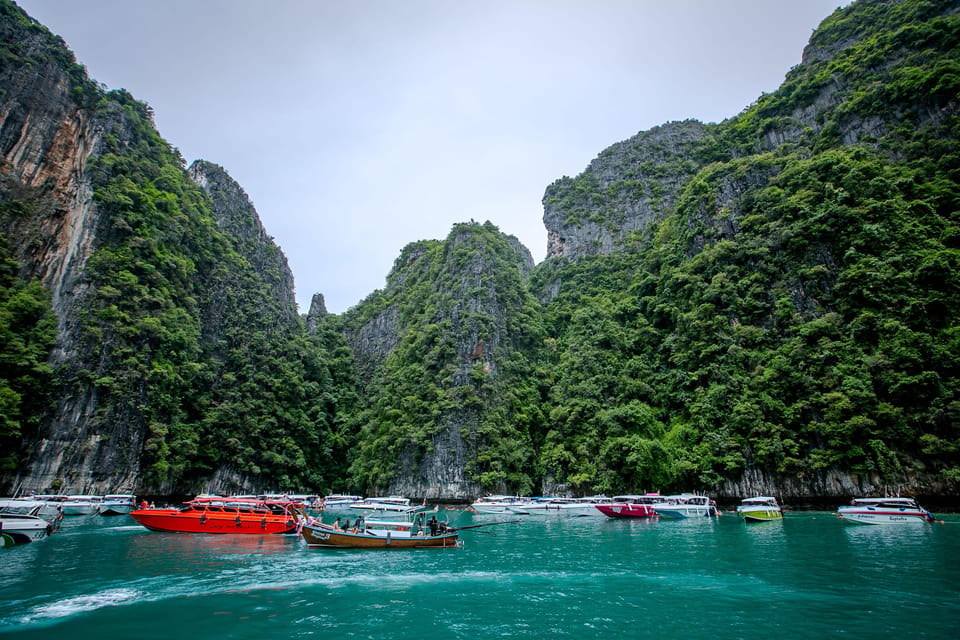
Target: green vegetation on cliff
[27,332]
[797,311]
[190,338]
[774,298]
[194,361]
[465,331]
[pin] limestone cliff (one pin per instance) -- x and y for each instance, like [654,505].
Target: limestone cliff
[626,190]
[689,247]
[237,218]
[438,352]
[170,299]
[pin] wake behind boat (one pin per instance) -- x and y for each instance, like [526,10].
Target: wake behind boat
[884,511]
[224,515]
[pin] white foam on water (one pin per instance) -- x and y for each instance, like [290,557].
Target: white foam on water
[81,604]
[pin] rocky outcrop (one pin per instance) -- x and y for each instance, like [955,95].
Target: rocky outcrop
[432,350]
[63,137]
[238,220]
[832,485]
[625,190]
[316,314]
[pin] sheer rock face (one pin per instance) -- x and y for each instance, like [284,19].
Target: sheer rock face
[316,314]
[46,143]
[472,283]
[626,189]
[238,220]
[54,125]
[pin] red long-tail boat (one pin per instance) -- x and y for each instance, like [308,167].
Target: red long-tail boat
[224,515]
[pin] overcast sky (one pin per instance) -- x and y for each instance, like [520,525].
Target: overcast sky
[357,127]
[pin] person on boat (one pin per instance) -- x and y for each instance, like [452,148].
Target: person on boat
[433,524]
[346,525]
[336,523]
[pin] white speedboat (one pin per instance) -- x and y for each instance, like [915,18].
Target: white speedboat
[685,505]
[502,504]
[80,505]
[567,506]
[49,511]
[884,511]
[396,504]
[339,501]
[759,509]
[117,504]
[20,528]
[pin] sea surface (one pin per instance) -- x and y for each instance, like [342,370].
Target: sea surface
[555,576]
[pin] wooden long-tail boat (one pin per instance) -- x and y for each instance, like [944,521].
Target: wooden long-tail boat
[382,534]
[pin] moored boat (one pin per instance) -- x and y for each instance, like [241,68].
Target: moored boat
[23,524]
[224,515]
[884,511]
[760,509]
[565,506]
[630,506]
[501,504]
[686,505]
[397,504]
[117,504]
[80,504]
[383,534]
[339,501]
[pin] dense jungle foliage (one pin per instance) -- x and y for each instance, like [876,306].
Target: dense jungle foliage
[27,333]
[467,327]
[810,322]
[180,338]
[190,336]
[792,308]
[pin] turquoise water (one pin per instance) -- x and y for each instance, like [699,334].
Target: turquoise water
[810,576]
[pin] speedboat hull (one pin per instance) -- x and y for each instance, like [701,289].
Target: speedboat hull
[627,510]
[855,515]
[502,504]
[392,504]
[17,528]
[887,510]
[686,506]
[223,516]
[760,509]
[763,514]
[80,505]
[117,505]
[674,513]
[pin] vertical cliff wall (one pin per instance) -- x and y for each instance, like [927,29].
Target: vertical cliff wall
[761,278]
[440,349]
[181,361]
